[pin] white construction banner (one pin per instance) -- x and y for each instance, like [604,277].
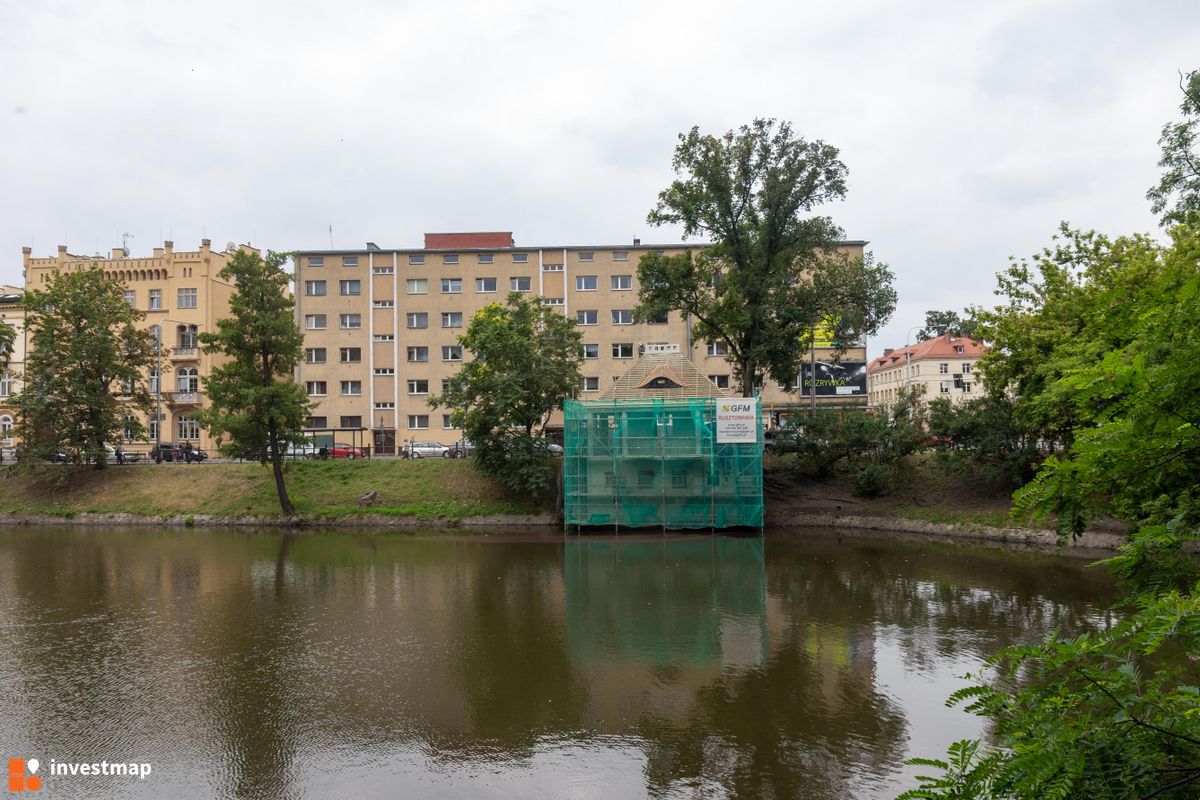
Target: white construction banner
[738,420]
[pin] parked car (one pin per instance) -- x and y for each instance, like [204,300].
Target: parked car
[425,450]
[463,448]
[346,451]
[301,450]
[168,451]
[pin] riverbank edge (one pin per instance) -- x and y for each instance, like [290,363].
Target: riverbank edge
[1092,540]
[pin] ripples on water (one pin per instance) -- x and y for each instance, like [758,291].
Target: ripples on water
[804,665]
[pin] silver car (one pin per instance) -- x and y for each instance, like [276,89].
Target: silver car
[425,450]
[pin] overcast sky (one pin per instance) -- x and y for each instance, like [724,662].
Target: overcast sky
[969,129]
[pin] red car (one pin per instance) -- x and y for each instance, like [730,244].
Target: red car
[346,451]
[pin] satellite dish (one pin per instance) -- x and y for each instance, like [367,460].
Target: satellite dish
[230,247]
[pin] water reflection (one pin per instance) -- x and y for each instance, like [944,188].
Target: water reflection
[255,665]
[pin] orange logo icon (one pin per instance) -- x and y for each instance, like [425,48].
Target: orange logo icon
[19,780]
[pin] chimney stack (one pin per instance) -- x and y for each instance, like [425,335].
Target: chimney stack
[636,241]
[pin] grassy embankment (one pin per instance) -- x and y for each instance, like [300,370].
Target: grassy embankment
[425,489]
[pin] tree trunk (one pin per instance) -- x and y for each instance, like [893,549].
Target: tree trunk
[748,369]
[285,503]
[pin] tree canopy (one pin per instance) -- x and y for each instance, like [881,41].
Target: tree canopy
[524,359]
[1177,194]
[770,274]
[253,396]
[85,375]
[939,323]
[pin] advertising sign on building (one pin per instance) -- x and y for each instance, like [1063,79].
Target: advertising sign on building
[737,420]
[840,378]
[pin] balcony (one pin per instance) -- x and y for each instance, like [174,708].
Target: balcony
[183,398]
[184,352]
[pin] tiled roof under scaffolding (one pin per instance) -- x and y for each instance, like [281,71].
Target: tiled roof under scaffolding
[662,372]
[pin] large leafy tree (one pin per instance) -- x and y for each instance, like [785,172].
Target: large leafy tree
[939,323]
[1177,195]
[524,359]
[770,274]
[86,368]
[253,397]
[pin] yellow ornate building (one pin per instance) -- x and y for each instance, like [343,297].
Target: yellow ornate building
[182,296]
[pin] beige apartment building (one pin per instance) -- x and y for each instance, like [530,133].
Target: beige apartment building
[381,327]
[182,296]
[941,367]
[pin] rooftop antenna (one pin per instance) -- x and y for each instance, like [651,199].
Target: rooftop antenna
[125,237]
[330,237]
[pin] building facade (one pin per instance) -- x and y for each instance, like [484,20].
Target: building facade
[182,296]
[12,313]
[941,367]
[381,326]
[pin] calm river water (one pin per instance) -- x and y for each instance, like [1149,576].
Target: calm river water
[802,665]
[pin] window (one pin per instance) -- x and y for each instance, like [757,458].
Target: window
[153,381]
[418,387]
[622,350]
[383,371]
[384,406]
[553,301]
[418,354]
[5,384]
[317,422]
[314,288]
[446,424]
[188,428]
[187,336]
[591,384]
[418,422]
[520,283]
[452,319]
[658,319]
[966,368]
[486,258]
[315,387]
[520,258]
[620,255]
[152,429]
[314,355]
[451,285]
[417,319]
[349,261]
[445,385]
[552,268]
[416,259]
[314,322]
[131,298]
[350,422]
[966,387]
[622,316]
[316,261]
[187,298]
[591,351]
[451,352]
[156,299]
[417,286]
[943,369]
[945,387]
[622,283]
[384,304]
[384,337]
[718,349]
[585,283]
[349,288]
[351,355]
[587,255]
[351,387]
[958,348]
[351,321]
[720,381]
[586,317]
[485,284]
[450,258]
[384,271]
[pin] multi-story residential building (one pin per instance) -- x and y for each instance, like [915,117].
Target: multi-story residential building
[12,313]
[381,326]
[941,367]
[181,295]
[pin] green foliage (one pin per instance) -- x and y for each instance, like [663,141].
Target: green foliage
[86,368]
[253,397]
[525,358]
[1177,195]
[772,275]
[986,436]
[875,480]
[939,323]
[828,437]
